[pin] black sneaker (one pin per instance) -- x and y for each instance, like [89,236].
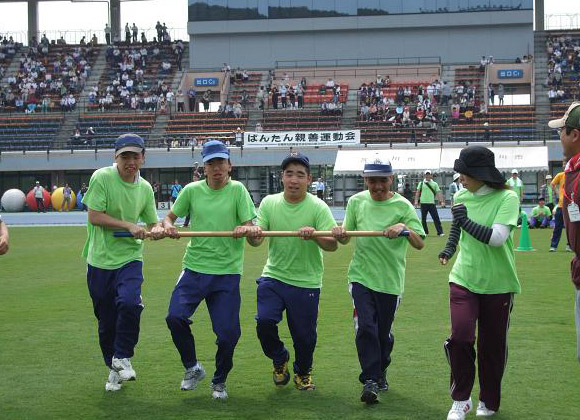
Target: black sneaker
[383,384]
[370,392]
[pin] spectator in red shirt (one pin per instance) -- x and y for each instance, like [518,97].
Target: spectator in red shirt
[569,129]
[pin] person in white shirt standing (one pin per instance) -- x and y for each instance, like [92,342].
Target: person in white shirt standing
[38,192]
[455,186]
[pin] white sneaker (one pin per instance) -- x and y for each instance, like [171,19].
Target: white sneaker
[124,368]
[568,248]
[113,381]
[441,234]
[552,249]
[219,391]
[192,377]
[459,410]
[483,411]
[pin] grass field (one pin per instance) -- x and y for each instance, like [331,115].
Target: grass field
[51,366]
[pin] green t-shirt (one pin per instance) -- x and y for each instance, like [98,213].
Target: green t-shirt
[293,260]
[482,268]
[215,210]
[541,212]
[516,185]
[130,202]
[427,196]
[379,263]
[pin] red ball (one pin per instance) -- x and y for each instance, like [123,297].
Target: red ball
[31,201]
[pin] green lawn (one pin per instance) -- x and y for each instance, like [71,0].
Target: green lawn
[51,366]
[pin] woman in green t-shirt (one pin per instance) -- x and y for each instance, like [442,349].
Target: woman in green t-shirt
[482,281]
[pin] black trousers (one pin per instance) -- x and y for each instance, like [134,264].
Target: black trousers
[373,316]
[432,210]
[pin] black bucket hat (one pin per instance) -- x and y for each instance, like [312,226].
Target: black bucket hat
[478,162]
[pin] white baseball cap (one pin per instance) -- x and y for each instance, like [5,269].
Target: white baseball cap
[428,171]
[455,177]
[571,118]
[515,171]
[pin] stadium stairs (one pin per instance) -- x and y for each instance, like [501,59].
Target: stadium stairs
[540,90]
[350,113]
[255,114]
[12,67]
[159,129]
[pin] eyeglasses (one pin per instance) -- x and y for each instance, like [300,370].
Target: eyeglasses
[568,128]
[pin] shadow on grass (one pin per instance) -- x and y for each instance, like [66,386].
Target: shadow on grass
[271,403]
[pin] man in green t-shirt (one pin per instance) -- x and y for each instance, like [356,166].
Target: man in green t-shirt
[292,277]
[117,199]
[427,191]
[547,192]
[377,271]
[212,267]
[541,215]
[516,185]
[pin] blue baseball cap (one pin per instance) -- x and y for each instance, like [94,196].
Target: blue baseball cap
[296,157]
[129,143]
[377,169]
[214,149]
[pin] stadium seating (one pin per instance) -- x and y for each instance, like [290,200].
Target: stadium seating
[506,123]
[251,87]
[471,76]
[55,52]
[109,126]
[560,50]
[303,119]
[152,74]
[30,132]
[203,126]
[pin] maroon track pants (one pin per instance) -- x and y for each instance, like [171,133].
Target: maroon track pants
[491,313]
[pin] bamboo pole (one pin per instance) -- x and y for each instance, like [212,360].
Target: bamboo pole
[267,234]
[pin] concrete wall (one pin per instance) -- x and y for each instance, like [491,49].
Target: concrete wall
[455,37]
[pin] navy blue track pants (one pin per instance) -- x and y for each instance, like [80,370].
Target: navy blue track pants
[117,304]
[222,297]
[301,306]
[373,316]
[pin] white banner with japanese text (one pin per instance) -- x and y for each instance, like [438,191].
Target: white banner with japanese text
[301,138]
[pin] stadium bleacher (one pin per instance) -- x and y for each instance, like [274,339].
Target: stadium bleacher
[303,119]
[151,82]
[504,123]
[108,127]
[203,126]
[72,61]
[28,132]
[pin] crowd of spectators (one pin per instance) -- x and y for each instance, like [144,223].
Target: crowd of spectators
[237,76]
[331,108]
[47,80]
[230,110]
[563,63]
[410,106]
[138,83]
[8,48]
[286,96]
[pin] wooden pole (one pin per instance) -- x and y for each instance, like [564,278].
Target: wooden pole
[267,234]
